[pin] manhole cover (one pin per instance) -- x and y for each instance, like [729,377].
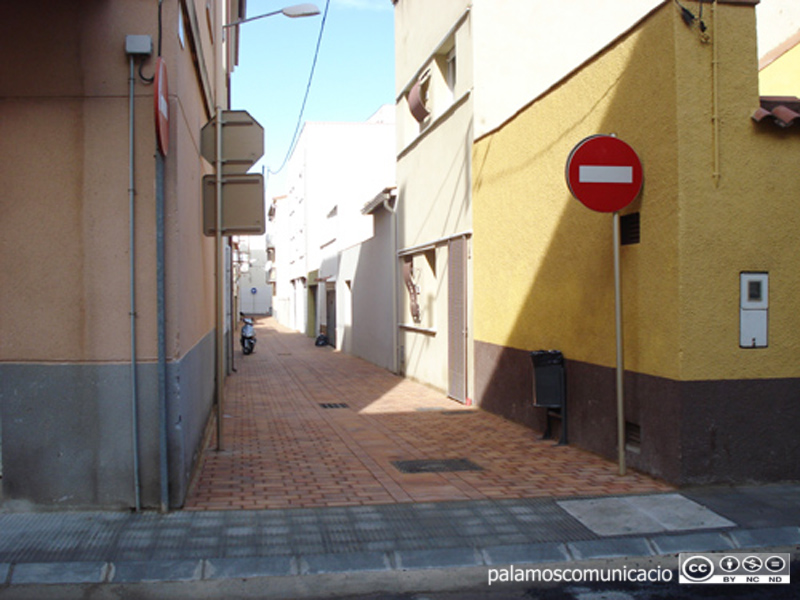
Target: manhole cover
[446,465]
[333,405]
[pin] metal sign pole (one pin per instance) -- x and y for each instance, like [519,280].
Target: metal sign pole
[220,257]
[220,287]
[620,361]
[605,174]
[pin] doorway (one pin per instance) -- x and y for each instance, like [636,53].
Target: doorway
[457,319]
[330,310]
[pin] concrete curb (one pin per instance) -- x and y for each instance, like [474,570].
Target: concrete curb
[216,569]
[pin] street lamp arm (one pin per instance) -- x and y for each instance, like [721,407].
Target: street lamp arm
[293,12]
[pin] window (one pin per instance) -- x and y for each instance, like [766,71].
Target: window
[181,30]
[435,89]
[210,19]
[450,73]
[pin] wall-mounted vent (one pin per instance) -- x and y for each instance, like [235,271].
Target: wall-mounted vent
[630,229]
[333,405]
[633,437]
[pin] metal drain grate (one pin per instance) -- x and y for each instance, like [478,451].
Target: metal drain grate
[445,411]
[333,405]
[447,465]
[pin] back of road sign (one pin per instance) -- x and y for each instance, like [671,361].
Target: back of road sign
[242,204]
[242,141]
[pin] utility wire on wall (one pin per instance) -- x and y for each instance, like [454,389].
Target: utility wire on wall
[689,17]
[293,143]
[149,80]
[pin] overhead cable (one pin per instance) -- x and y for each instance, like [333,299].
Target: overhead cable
[293,143]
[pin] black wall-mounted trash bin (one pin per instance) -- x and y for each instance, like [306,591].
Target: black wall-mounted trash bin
[549,388]
[548,377]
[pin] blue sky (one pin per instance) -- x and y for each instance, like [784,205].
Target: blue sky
[354,74]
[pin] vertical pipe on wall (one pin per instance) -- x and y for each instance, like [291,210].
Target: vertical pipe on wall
[392,208]
[162,356]
[132,251]
[715,91]
[161,309]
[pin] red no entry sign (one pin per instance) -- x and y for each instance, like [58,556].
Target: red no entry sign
[161,97]
[604,173]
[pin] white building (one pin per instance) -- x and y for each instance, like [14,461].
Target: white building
[252,266]
[335,170]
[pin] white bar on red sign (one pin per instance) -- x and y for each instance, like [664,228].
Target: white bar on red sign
[605,174]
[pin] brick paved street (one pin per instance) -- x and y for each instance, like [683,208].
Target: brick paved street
[283,449]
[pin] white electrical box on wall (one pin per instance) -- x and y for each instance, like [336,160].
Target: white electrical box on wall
[753,309]
[140,45]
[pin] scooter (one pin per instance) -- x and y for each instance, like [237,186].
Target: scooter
[248,336]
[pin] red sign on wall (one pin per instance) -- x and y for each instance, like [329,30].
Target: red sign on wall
[161,101]
[604,173]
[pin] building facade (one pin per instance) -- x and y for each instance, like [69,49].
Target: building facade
[106,362]
[716,213]
[366,288]
[252,263]
[334,171]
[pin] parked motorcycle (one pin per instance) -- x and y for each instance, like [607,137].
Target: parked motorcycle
[248,336]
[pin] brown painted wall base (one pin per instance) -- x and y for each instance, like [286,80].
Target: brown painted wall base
[692,432]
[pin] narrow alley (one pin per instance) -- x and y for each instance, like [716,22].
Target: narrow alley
[308,426]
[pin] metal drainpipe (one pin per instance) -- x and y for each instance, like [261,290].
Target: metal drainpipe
[393,212]
[162,336]
[163,433]
[131,209]
[715,90]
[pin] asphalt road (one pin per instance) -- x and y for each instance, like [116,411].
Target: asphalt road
[471,584]
[608,591]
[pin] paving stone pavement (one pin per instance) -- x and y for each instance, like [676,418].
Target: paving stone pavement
[343,519]
[381,545]
[306,426]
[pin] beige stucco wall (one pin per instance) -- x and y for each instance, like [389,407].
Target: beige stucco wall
[65,145]
[420,26]
[433,178]
[190,257]
[65,205]
[68,407]
[433,203]
[544,262]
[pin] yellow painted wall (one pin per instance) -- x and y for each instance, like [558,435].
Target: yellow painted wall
[543,262]
[747,223]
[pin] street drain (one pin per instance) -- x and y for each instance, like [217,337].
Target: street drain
[445,411]
[333,405]
[447,465]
